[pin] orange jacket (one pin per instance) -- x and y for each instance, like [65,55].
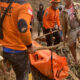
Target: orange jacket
[50,17]
[14,39]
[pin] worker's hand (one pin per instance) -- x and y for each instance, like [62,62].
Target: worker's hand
[31,50]
[60,28]
[50,31]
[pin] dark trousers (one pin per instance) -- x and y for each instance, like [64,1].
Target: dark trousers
[49,39]
[40,26]
[20,64]
[31,30]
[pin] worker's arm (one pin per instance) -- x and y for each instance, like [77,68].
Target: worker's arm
[24,20]
[46,23]
[64,23]
[78,15]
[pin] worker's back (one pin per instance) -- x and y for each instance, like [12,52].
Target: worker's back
[16,36]
[10,25]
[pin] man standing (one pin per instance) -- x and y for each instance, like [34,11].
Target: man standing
[16,38]
[71,26]
[40,18]
[50,20]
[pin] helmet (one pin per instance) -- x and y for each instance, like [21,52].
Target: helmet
[16,1]
[53,1]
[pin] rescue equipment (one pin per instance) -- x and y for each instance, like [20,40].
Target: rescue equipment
[41,60]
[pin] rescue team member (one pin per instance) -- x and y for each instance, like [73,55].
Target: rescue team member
[71,26]
[17,36]
[40,18]
[50,19]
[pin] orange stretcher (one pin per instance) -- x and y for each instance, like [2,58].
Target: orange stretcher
[41,60]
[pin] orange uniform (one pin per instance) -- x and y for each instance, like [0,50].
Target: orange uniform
[13,38]
[50,18]
[58,1]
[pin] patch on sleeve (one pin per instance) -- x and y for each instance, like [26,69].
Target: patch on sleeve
[30,11]
[22,26]
[23,29]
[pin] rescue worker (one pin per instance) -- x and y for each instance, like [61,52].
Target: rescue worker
[17,42]
[50,20]
[71,26]
[40,18]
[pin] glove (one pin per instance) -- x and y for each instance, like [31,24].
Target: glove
[31,49]
[50,31]
[60,28]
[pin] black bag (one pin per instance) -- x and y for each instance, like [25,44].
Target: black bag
[2,19]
